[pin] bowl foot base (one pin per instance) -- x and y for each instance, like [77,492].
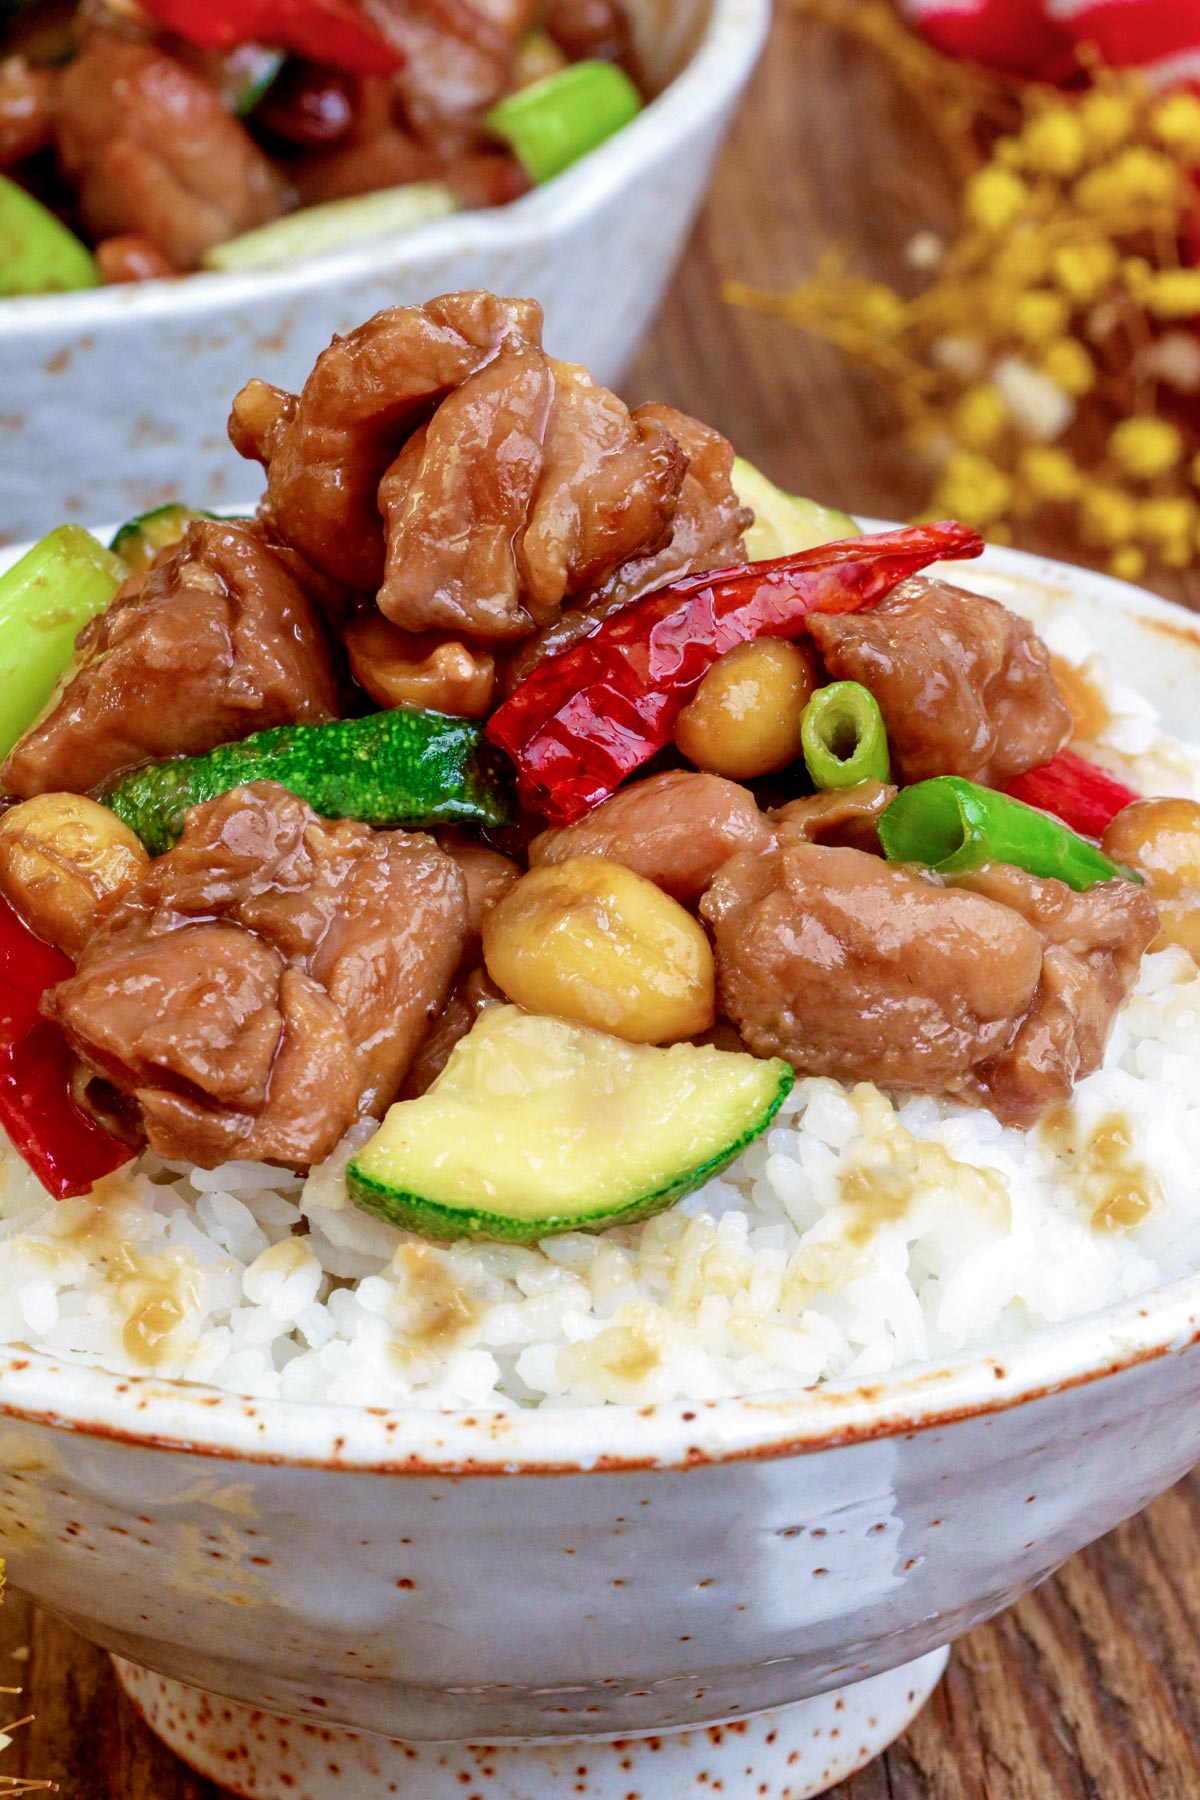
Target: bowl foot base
[789,1754]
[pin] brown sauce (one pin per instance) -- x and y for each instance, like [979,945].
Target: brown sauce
[1115,1188]
[439,1309]
[153,1293]
[1082,698]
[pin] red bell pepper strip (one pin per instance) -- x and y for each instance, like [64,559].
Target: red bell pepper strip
[1083,796]
[66,1150]
[333,32]
[587,718]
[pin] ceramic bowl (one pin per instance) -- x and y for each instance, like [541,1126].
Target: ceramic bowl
[103,391]
[323,1603]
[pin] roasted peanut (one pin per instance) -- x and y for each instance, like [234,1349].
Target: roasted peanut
[589,940]
[744,718]
[422,669]
[1161,840]
[61,855]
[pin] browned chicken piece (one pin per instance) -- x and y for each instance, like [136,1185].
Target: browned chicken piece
[610,490]
[456,500]
[268,980]
[488,876]
[472,994]
[27,103]
[327,450]
[964,685]
[457,63]
[848,817]
[1093,947]
[849,967]
[152,150]
[529,483]
[676,829]
[706,533]
[588,28]
[216,642]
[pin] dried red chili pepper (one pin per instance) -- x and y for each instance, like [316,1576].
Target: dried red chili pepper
[334,32]
[66,1151]
[1083,796]
[586,719]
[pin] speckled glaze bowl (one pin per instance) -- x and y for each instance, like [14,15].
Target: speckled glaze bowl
[104,393]
[321,1603]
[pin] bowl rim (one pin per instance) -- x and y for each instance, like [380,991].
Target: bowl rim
[718,67]
[155,1414]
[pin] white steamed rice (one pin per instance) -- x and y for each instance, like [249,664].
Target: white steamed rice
[858,1235]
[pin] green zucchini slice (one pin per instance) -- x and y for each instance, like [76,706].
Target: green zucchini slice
[785,523]
[403,767]
[139,540]
[537,1126]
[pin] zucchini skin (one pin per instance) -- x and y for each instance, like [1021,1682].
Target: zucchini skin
[451,1224]
[403,767]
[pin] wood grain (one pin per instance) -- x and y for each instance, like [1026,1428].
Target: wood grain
[1090,1688]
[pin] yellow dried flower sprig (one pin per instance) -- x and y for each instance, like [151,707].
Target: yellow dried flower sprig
[1044,369]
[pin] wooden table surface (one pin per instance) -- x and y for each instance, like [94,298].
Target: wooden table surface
[1090,1688]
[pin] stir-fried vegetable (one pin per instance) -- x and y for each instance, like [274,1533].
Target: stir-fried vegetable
[65,1150]
[785,523]
[335,32]
[392,768]
[585,720]
[140,540]
[247,74]
[953,825]
[844,737]
[1085,797]
[553,122]
[45,599]
[538,1126]
[38,255]
[316,230]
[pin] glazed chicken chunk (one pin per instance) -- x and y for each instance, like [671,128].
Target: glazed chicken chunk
[441,461]
[327,450]
[964,685]
[269,980]
[676,829]
[849,967]
[156,153]
[1092,948]
[1000,990]
[217,642]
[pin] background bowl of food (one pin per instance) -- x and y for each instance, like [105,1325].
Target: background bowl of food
[115,395]
[621,1414]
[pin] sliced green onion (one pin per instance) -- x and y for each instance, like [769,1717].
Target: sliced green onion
[38,255]
[553,122]
[316,230]
[843,737]
[248,71]
[45,600]
[952,825]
